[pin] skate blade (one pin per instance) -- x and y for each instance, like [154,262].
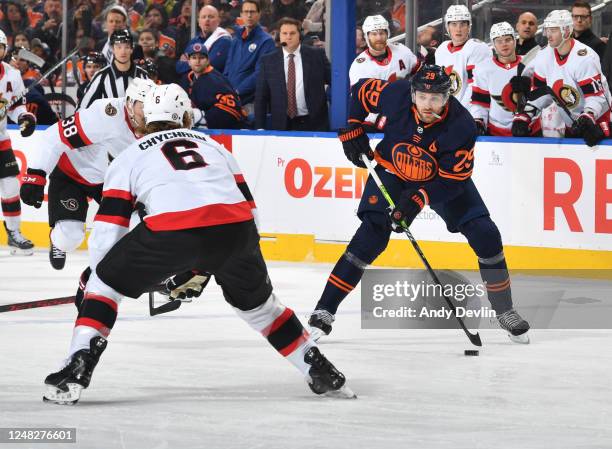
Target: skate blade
[21,252]
[342,393]
[316,333]
[522,339]
[56,396]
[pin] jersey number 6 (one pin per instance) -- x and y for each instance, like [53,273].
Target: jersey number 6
[181,156]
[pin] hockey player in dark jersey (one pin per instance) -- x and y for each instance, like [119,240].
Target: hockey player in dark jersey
[425,158]
[216,104]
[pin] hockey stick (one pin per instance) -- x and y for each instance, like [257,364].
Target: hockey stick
[27,55]
[474,338]
[164,308]
[36,304]
[521,100]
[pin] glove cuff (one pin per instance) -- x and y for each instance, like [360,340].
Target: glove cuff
[523,117]
[351,133]
[35,176]
[25,115]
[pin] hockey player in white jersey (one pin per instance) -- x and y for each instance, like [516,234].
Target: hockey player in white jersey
[195,218]
[11,86]
[461,54]
[568,73]
[76,153]
[383,60]
[493,104]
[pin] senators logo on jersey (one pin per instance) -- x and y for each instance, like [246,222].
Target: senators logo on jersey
[455,78]
[569,95]
[507,100]
[413,163]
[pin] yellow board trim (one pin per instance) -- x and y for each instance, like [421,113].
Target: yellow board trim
[399,253]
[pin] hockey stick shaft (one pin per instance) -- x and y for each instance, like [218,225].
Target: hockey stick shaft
[37,304]
[474,338]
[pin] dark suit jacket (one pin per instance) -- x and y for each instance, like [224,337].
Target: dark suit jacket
[271,91]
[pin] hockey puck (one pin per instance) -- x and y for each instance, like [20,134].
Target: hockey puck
[470,352]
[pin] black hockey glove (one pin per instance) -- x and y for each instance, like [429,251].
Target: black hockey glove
[27,124]
[586,127]
[520,125]
[186,285]
[355,142]
[520,84]
[481,127]
[32,189]
[410,203]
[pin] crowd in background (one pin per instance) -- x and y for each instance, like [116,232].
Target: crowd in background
[251,62]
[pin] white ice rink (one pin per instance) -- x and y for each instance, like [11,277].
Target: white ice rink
[201,378]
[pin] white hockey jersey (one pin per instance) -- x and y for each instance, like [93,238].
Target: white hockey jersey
[80,144]
[459,63]
[11,85]
[577,80]
[183,178]
[492,98]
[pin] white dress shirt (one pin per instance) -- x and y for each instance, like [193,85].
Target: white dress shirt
[300,96]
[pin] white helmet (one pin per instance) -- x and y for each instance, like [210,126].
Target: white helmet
[138,89]
[562,19]
[373,23]
[457,13]
[501,29]
[3,40]
[166,103]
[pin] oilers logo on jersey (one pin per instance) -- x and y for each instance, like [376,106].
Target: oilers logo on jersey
[413,163]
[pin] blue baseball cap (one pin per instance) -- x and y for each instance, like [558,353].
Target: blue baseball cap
[196,47]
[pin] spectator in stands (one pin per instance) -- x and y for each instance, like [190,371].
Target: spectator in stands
[34,10]
[249,45]
[82,18]
[398,13]
[314,23]
[291,84]
[581,15]
[42,50]
[148,39]
[115,19]
[526,27]
[49,27]
[216,104]
[156,18]
[360,42]
[288,8]
[226,20]
[28,72]
[20,39]
[182,24]
[134,11]
[14,21]
[215,38]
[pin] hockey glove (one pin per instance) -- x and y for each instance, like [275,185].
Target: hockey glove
[27,124]
[33,187]
[520,84]
[186,285]
[586,127]
[355,142]
[410,203]
[520,125]
[481,127]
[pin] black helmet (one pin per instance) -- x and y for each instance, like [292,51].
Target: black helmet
[431,78]
[121,36]
[94,57]
[149,66]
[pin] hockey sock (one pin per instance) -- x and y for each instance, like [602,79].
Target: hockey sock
[344,277]
[11,205]
[67,235]
[494,273]
[282,329]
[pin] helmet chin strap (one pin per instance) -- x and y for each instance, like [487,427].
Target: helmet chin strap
[563,39]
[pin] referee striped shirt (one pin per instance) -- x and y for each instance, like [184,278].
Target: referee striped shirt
[110,82]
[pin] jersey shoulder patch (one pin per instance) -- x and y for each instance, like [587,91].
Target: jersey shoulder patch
[582,52]
[110,110]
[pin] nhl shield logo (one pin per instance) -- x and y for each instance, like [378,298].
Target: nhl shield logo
[110,110]
[71,204]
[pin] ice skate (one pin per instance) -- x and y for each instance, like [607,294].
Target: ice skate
[65,386]
[324,378]
[57,257]
[515,325]
[18,244]
[320,323]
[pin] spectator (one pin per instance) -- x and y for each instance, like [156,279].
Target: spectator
[581,16]
[249,45]
[156,18]
[112,80]
[25,68]
[360,43]
[134,11]
[82,18]
[182,24]
[291,84]
[49,27]
[149,41]
[526,27]
[42,50]
[226,20]
[294,9]
[314,23]
[20,40]
[15,21]
[398,13]
[115,19]
[90,64]
[216,104]
[216,40]
[34,11]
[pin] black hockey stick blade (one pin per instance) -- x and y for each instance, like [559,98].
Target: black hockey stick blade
[164,308]
[36,304]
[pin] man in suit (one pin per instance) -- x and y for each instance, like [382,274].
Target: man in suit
[291,84]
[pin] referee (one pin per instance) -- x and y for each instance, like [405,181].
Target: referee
[112,80]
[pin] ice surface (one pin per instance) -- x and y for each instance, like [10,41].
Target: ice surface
[201,378]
